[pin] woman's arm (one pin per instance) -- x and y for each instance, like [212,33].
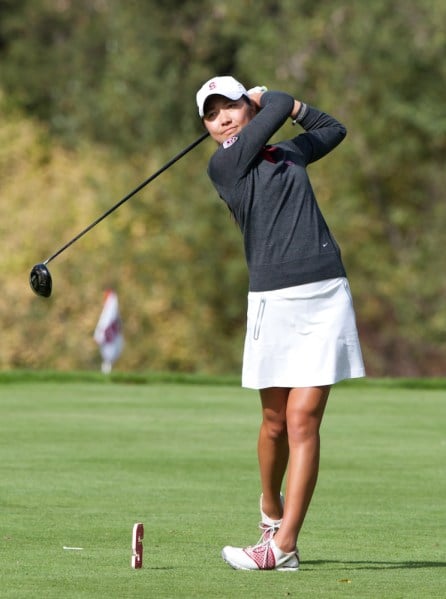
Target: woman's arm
[235,157]
[322,133]
[255,95]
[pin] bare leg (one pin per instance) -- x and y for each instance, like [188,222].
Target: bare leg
[272,448]
[305,408]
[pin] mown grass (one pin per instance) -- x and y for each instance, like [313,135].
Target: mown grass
[83,457]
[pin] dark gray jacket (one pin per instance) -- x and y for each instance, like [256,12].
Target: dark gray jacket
[287,241]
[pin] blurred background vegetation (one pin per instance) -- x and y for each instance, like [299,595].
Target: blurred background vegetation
[95,95]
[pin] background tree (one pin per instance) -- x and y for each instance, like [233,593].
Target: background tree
[96,95]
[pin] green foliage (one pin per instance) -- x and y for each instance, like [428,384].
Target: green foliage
[98,94]
[177,275]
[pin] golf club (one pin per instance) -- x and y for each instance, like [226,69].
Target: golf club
[40,277]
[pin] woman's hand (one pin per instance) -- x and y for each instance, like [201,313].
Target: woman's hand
[255,93]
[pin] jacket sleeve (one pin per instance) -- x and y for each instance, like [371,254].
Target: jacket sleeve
[322,134]
[235,157]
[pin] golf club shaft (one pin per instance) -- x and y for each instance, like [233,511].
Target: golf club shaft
[128,196]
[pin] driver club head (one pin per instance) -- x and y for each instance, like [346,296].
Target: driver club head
[40,280]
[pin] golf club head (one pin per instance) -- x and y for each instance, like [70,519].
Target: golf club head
[40,280]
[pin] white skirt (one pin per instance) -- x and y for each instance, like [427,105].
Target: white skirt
[302,336]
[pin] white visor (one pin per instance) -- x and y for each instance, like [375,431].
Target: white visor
[222,86]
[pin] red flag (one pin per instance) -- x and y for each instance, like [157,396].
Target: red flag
[108,332]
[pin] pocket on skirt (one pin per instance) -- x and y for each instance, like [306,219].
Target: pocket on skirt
[259,319]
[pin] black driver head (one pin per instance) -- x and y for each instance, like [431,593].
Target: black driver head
[40,280]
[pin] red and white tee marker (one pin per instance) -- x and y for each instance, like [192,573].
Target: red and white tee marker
[137,549]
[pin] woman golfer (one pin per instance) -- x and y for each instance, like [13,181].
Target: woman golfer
[301,333]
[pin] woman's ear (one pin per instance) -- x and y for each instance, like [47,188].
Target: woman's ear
[253,107]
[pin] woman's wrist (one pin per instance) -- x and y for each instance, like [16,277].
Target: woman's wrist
[298,112]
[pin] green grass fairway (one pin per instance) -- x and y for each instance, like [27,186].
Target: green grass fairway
[83,459]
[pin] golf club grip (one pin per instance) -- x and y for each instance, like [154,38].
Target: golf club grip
[129,195]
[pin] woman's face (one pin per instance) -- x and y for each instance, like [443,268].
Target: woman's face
[224,118]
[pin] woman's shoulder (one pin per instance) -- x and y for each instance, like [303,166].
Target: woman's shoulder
[223,163]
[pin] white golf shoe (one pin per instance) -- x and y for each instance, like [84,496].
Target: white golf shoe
[263,556]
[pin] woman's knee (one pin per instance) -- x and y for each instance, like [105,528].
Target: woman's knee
[302,426]
[304,413]
[274,412]
[275,426]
